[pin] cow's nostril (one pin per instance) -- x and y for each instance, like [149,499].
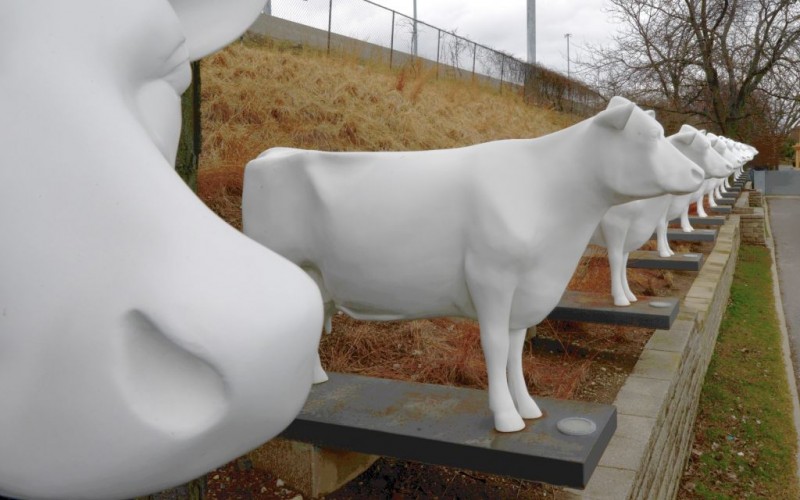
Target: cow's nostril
[166,386]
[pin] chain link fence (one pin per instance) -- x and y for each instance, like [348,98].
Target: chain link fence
[405,38]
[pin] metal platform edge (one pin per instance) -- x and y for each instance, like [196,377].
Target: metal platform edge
[642,259]
[696,235]
[711,220]
[451,426]
[599,308]
[721,209]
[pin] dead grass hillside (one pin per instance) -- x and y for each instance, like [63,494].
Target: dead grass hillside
[259,94]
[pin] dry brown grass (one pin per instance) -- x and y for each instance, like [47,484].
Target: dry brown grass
[261,94]
[443,351]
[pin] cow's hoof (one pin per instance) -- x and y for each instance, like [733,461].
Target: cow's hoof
[632,297]
[621,301]
[528,409]
[664,255]
[508,422]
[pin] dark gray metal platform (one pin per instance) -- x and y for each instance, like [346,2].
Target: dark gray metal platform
[450,426]
[725,201]
[642,259]
[720,209]
[600,308]
[731,194]
[696,235]
[712,220]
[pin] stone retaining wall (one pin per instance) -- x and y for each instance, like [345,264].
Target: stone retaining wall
[756,199]
[657,405]
[754,227]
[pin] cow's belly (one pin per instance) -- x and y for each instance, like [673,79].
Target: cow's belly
[389,286]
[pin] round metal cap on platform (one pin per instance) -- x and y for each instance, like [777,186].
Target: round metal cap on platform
[660,303]
[691,255]
[576,426]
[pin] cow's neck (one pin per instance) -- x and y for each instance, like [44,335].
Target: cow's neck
[571,176]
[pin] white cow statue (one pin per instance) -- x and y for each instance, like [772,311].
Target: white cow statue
[143,341]
[479,232]
[626,227]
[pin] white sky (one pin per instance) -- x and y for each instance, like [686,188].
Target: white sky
[502,24]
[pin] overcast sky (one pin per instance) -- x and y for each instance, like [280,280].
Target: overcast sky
[500,24]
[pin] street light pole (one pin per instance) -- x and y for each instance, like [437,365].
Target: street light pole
[531,31]
[567,36]
[414,33]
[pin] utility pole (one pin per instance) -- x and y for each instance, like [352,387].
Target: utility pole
[567,36]
[531,31]
[414,33]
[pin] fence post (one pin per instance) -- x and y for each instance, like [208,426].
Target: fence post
[391,43]
[438,50]
[502,68]
[474,54]
[330,16]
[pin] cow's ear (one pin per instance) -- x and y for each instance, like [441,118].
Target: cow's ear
[686,137]
[650,113]
[617,101]
[209,25]
[615,117]
[688,128]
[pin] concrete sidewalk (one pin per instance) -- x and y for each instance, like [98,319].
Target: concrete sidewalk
[784,227]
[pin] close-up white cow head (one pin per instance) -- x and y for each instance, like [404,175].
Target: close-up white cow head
[692,143]
[644,164]
[143,341]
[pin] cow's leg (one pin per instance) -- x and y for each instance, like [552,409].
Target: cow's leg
[329,310]
[624,277]
[661,238]
[615,262]
[711,202]
[319,373]
[526,406]
[701,210]
[492,293]
[686,226]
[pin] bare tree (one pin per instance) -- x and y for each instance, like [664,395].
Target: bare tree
[719,60]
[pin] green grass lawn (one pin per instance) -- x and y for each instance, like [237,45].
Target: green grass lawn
[745,444]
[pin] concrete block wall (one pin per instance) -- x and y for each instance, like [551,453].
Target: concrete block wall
[753,227]
[657,405]
[756,199]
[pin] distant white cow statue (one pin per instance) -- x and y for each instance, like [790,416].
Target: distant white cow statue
[709,185]
[143,341]
[626,227]
[480,232]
